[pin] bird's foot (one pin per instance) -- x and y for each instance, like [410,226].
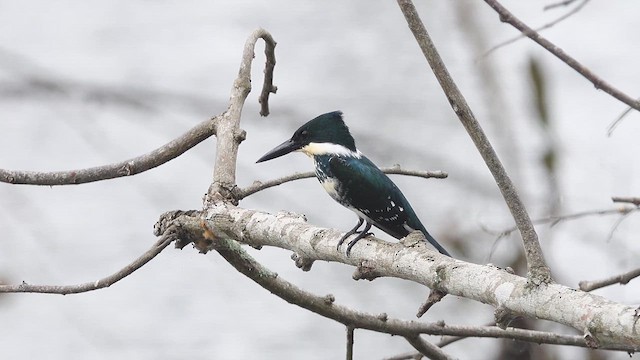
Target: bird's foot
[362,234]
[350,232]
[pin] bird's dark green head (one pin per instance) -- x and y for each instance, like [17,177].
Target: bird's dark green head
[326,134]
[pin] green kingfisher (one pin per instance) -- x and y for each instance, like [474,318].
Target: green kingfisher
[353,180]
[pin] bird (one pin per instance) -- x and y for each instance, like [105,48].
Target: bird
[353,180]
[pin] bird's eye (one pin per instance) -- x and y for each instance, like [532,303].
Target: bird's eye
[304,134]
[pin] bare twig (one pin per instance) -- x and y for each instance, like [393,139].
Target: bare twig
[259,186]
[621,279]
[559,4]
[556,219]
[133,166]
[631,200]
[267,86]
[447,340]
[426,348]
[406,356]
[349,342]
[434,297]
[94,285]
[537,268]
[614,124]
[599,83]
[541,28]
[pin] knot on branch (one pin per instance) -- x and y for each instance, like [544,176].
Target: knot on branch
[366,271]
[302,262]
[329,299]
[240,136]
[189,227]
[168,218]
[220,192]
[590,340]
[414,238]
[383,317]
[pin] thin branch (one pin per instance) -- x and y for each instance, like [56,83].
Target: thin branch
[94,285]
[631,200]
[133,166]
[537,268]
[599,83]
[406,356]
[615,225]
[259,186]
[614,124]
[349,343]
[267,86]
[621,279]
[326,306]
[559,4]
[541,28]
[556,219]
[447,340]
[427,349]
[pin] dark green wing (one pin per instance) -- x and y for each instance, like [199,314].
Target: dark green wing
[370,191]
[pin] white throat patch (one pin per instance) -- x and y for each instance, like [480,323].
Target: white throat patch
[313,149]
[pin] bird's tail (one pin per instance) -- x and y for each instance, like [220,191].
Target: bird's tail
[433,242]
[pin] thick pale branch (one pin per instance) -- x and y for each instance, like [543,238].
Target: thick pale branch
[608,321]
[95,285]
[599,83]
[133,166]
[259,186]
[538,270]
[414,263]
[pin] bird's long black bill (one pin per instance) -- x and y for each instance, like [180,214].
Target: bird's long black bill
[282,149]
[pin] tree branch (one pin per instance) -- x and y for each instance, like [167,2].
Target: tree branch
[538,272]
[229,134]
[133,166]
[484,283]
[599,83]
[621,279]
[427,349]
[162,243]
[259,186]
[631,200]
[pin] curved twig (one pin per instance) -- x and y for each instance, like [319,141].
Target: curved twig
[599,83]
[614,124]
[427,349]
[537,268]
[98,284]
[133,166]
[267,86]
[259,186]
[229,134]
